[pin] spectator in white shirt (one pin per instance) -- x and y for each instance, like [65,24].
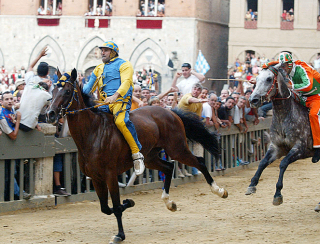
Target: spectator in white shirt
[190,78]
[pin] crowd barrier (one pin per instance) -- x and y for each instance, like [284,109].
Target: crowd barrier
[28,161]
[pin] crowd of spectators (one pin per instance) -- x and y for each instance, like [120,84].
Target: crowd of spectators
[251,15]
[151,9]
[99,10]
[49,10]
[22,108]
[287,15]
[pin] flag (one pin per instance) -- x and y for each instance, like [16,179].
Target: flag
[202,65]
[151,81]
[169,62]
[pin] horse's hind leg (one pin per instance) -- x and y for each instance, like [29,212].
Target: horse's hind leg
[221,192]
[291,157]
[187,158]
[268,159]
[154,162]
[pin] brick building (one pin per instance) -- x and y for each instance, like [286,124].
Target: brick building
[73,33]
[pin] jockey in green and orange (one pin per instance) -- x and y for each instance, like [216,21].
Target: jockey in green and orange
[305,80]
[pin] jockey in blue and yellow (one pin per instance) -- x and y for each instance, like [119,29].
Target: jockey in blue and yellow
[113,79]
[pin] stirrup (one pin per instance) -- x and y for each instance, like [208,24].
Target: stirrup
[138,163]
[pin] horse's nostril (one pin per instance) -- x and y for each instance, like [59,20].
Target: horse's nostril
[254,101]
[51,116]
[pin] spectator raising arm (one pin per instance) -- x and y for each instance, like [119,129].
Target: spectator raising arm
[201,77]
[163,94]
[42,54]
[190,78]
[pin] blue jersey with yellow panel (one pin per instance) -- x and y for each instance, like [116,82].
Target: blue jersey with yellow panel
[109,78]
[116,76]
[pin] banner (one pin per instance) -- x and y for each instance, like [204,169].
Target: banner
[202,65]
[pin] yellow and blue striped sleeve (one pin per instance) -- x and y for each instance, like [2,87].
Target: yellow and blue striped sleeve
[126,73]
[92,84]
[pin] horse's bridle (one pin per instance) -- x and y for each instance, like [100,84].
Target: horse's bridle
[275,84]
[64,111]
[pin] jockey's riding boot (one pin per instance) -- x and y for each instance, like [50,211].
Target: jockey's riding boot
[316,155]
[138,163]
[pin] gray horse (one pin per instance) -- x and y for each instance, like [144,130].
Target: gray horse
[290,131]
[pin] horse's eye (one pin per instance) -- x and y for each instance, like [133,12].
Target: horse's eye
[68,92]
[269,79]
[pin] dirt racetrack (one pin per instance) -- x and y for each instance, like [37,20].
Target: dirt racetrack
[201,217]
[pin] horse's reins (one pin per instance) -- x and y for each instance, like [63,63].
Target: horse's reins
[64,111]
[275,84]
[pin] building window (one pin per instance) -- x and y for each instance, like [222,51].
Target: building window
[50,7]
[99,8]
[155,8]
[251,17]
[287,15]
[287,10]
[252,10]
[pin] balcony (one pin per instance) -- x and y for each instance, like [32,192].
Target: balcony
[149,23]
[248,24]
[97,22]
[48,20]
[286,25]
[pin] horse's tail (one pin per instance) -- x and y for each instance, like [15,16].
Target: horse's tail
[196,131]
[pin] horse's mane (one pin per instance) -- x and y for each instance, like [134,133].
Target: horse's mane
[88,100]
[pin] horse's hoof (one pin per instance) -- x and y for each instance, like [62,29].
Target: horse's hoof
[129,202]
[277,201]
[251,190]
[115,239]
[317,209]
[172,206]
[225,194]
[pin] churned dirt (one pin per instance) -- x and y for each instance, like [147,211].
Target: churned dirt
[202,217]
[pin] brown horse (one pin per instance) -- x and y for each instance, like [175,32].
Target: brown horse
[104,154]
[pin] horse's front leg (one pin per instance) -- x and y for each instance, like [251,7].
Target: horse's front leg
[291,157]
[112,182]
[269,158]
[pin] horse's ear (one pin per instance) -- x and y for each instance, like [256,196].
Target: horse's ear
[74,75]
[283,74]
[58,73]
[277,66]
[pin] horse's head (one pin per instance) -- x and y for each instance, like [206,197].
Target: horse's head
[267,85]
[63,95]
